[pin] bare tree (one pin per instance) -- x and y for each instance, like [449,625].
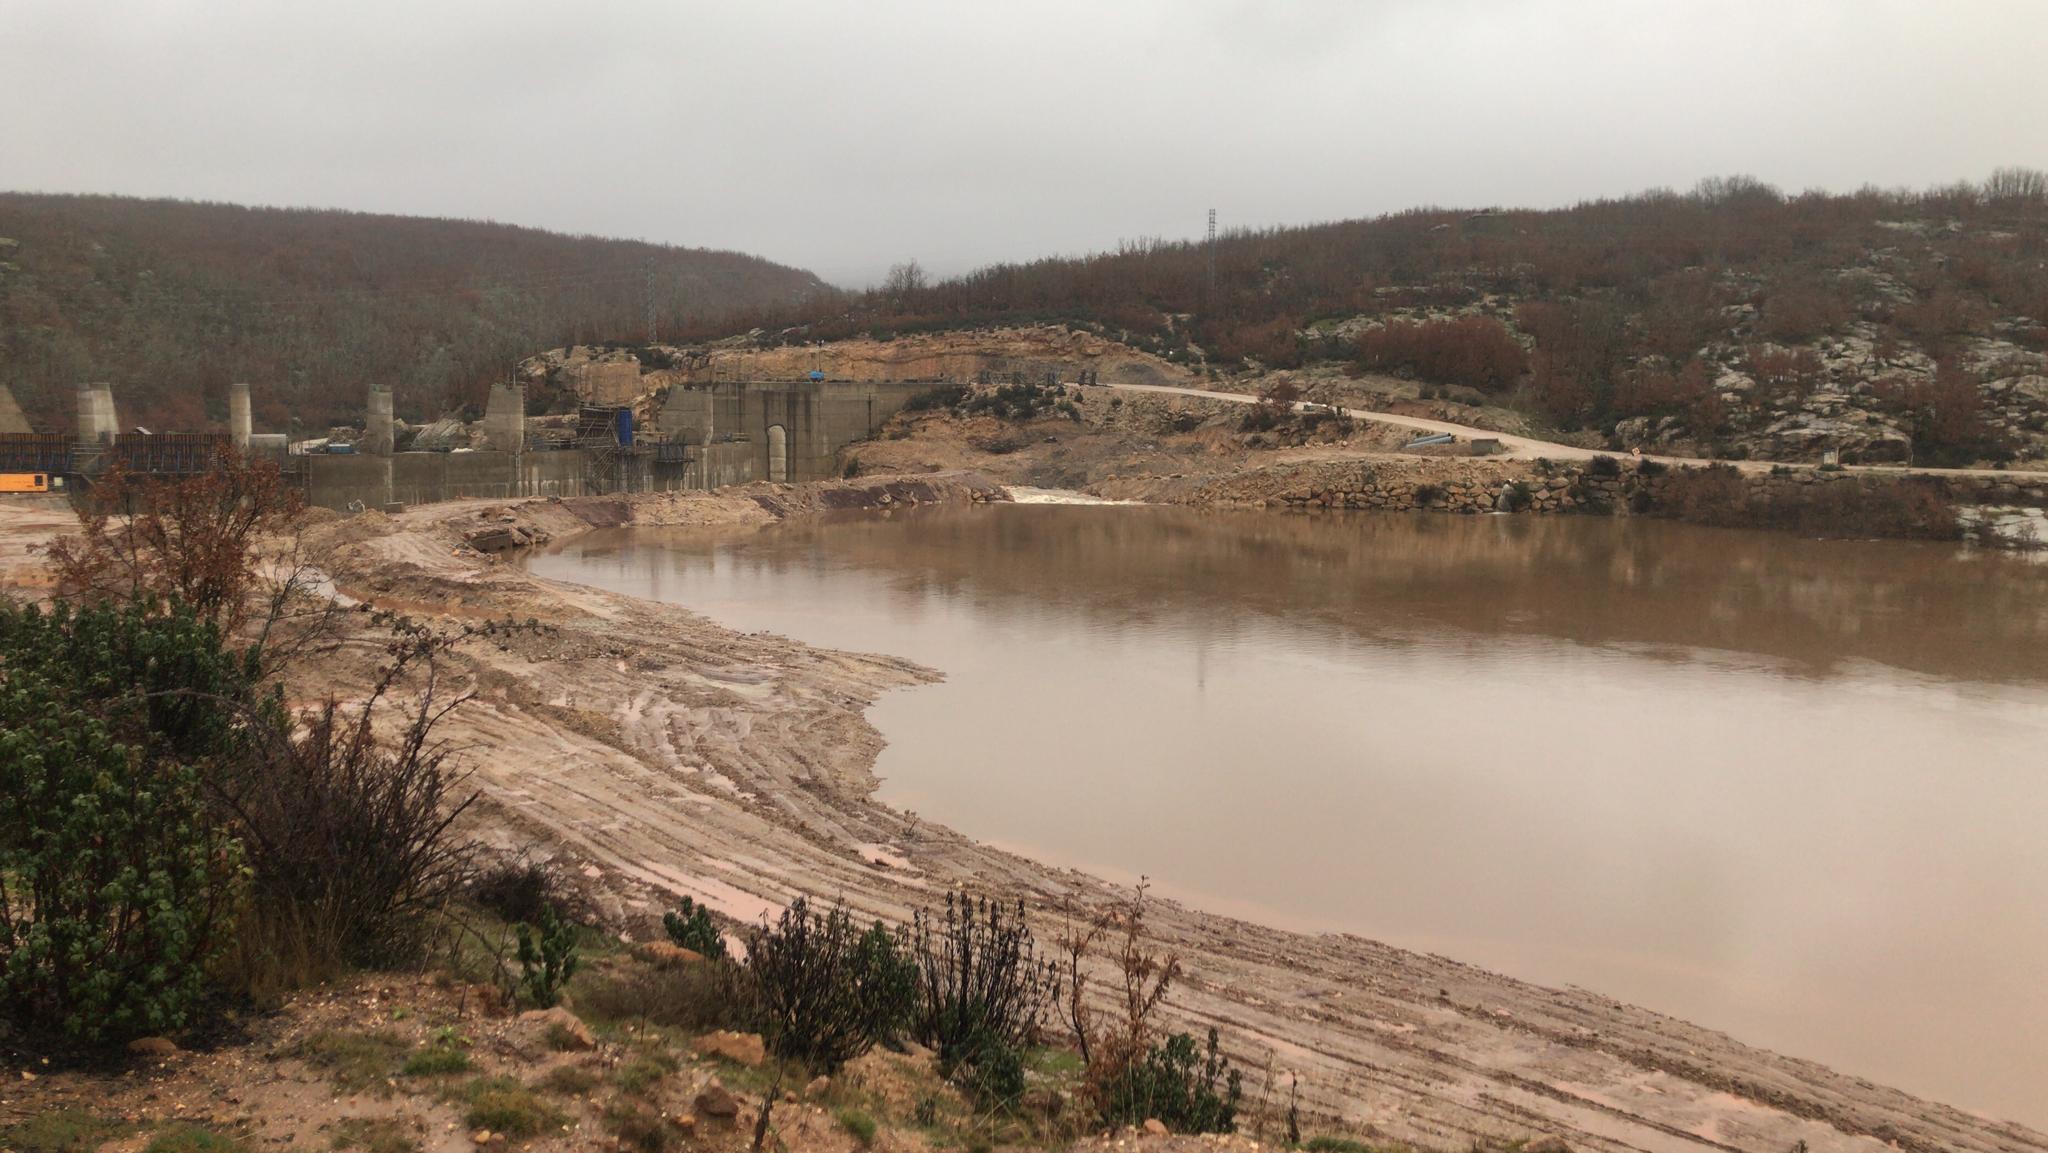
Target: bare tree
[903,280]
[2017,184]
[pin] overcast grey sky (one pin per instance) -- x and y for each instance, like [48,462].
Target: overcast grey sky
[844,136]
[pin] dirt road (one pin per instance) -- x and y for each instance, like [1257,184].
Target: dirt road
[1528,448]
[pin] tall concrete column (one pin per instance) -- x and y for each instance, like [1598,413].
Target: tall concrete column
[505,417]
[378,439]
[240,423]
[97,423]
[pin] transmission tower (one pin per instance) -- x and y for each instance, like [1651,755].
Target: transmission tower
[1212,250]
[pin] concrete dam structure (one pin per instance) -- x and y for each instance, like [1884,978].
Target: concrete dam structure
[703,437]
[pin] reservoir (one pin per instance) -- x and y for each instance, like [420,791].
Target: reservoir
[1793,790]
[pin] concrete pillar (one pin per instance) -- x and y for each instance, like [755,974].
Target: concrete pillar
[240,424]
[505,417]
[377,431]
[97,423]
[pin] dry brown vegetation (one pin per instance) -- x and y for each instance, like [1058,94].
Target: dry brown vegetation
[1583,316]
[172,300]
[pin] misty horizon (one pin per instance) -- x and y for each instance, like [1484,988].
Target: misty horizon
[845,141]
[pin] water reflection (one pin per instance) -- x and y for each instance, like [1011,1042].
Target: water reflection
[1787,788]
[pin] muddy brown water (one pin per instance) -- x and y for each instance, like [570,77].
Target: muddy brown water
[1790,789]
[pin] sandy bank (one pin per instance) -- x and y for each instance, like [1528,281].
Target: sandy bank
[654,753]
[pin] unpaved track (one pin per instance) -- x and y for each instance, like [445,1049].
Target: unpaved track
[655,754]
[1529,448]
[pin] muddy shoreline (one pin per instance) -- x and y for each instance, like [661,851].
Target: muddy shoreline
[657,754]
[652,753]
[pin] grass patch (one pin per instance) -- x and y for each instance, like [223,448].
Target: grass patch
[436,1061]
[1054,1063]
[644,1071]
[356,1061]
[857,1123]
[569,1080]
[695,998]
[193,1139]
[1328,1144]
[60,1131]
[373,1135]
[503,1105]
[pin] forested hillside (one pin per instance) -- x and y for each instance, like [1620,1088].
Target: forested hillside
[1885,324]
[172,300]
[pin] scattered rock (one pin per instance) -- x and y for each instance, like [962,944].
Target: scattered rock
[739,1048]
[158,1047]
[818,1087]
[1157,1128]
[685,1123]
[560,1028]
[714,1102]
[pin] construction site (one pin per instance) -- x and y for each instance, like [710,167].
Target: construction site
[693,437]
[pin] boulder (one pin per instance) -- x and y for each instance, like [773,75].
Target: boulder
[714,1102]
[153,1047]
[1154,1127]
[559,1027]
[739,1048]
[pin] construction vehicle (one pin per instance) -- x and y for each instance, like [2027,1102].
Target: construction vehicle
[29,482]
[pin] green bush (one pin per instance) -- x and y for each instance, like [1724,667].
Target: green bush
[981,989]
[1016,401]
[117,885]
[992,1075]
[547,959]
[1178,1084]
[944,396]
[827,992]
[1261,418]
[691,927]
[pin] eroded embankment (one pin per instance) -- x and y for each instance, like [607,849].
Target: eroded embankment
[654,753]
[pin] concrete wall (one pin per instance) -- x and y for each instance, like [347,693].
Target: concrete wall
[816,420]
[725,428]
[425,477]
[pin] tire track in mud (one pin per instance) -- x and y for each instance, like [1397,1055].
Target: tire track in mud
[657,754]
